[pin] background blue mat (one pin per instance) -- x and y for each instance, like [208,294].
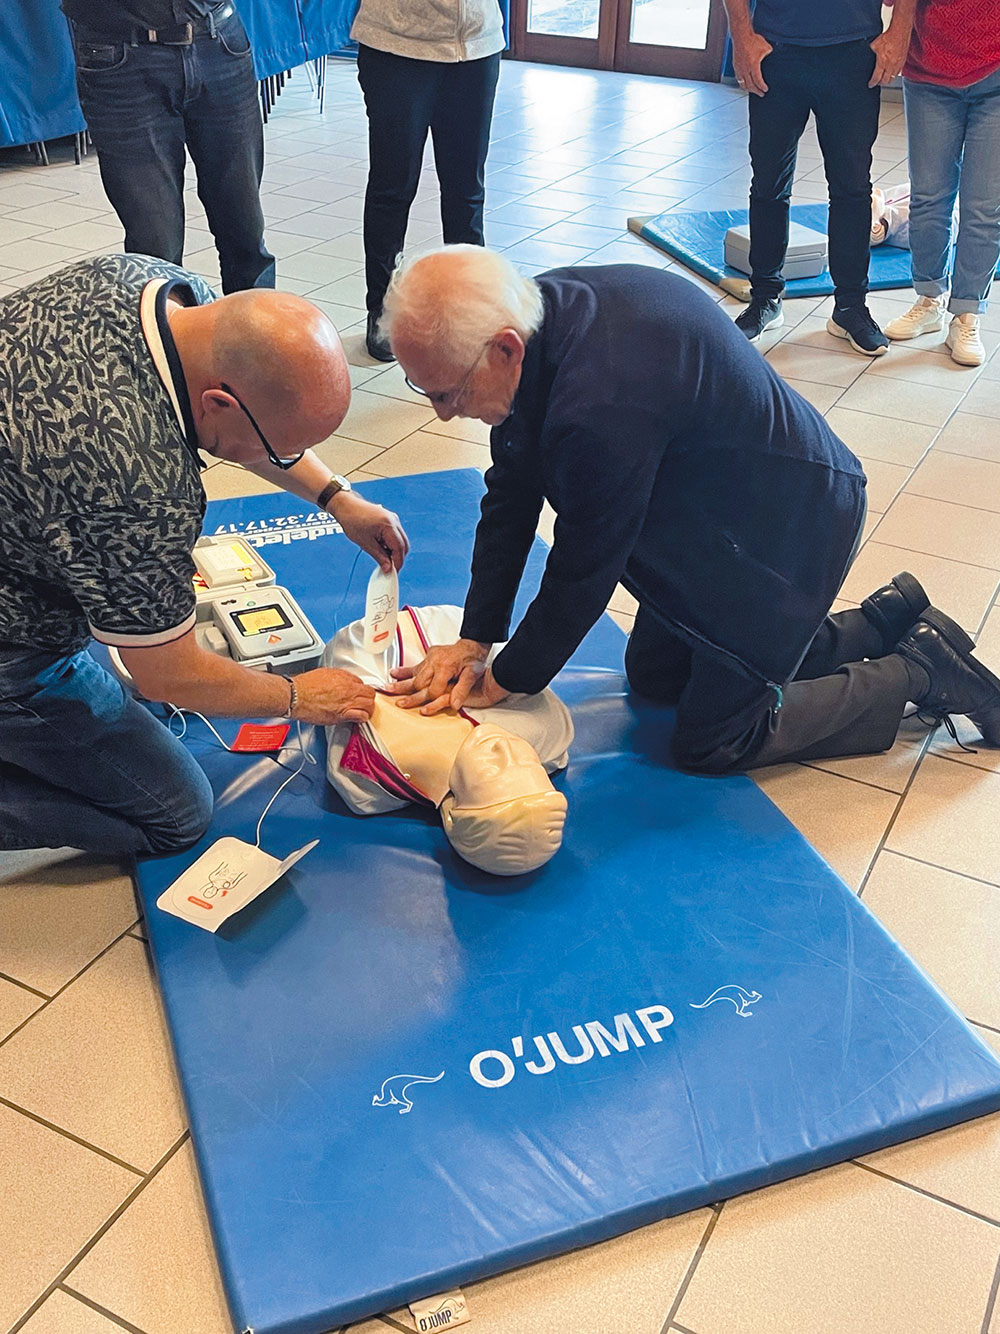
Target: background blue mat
[382,956]
[699,241]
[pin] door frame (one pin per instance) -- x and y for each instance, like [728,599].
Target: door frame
[612,49]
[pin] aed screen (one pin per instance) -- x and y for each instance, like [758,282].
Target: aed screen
[260,619]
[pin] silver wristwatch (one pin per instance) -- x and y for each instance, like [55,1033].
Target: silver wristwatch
[334,486]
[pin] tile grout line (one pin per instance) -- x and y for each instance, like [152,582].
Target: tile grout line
[68,1134]
[66,985]
[695,1259]
[6,977]
[978,879]
[928,1194]
[951,560]
[101,1231]
[991,1302]
[101,1310]
[890,824]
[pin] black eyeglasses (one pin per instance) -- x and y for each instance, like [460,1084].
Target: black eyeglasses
[283,464]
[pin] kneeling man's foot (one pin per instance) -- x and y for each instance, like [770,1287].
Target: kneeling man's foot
[761,314]
[856,325]
[940,649]
[896,608]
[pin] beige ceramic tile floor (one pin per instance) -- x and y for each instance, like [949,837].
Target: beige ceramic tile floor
[101,1224]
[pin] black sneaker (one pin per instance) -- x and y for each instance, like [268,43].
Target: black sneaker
[762,313]
[958,683]
[856,325]
[378,347]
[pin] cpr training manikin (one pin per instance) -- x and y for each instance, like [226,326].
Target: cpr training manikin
[485,770]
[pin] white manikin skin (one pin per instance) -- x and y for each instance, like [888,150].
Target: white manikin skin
[498,807]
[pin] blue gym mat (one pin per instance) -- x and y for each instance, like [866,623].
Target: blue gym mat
[404,1075]
[699,241]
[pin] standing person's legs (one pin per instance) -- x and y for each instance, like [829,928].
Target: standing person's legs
[399,99]
[776,123]
[935,131]
[977,249]
[132,100]
[847,126]
[83,765]
[460,129]
[226,139]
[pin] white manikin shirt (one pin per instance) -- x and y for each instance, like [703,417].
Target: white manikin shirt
[542,720]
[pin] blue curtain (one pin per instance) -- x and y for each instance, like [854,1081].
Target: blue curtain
[37,78]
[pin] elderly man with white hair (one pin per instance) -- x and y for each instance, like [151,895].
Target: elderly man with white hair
[679,464]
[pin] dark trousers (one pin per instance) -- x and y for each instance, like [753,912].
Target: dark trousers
[836,705]
[831,82]
[143,103]
[404,99]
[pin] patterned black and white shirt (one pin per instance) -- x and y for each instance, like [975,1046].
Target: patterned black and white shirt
[100,497]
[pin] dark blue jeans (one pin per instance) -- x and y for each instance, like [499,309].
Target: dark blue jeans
[82,765]
[832,83]
[143,103]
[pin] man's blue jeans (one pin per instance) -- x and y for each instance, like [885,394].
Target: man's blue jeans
[954,145]
[143,103]
[82,765]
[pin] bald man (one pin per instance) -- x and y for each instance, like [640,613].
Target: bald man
[115,374]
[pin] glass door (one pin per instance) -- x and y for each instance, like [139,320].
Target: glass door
[676,38]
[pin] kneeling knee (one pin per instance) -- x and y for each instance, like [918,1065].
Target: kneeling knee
[188,819]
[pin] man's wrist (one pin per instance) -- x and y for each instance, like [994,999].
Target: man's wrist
[336,486]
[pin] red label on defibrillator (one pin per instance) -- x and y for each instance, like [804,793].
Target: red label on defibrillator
[261,736]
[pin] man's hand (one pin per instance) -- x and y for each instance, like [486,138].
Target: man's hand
[748,52]
[890,53]
[328,695]
[445,677]
[373,528]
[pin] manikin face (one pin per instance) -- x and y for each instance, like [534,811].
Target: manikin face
[494,766]
[502,813]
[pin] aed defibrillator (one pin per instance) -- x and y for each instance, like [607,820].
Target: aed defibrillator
[241,613]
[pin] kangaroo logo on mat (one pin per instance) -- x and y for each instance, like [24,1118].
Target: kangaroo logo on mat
[737,996]
[398,1084]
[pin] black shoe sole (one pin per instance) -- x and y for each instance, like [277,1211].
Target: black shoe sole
[380,355]
[988,718]
[912,590]
[834,328]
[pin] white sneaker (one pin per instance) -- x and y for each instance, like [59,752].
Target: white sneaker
[925,316]
[964,340]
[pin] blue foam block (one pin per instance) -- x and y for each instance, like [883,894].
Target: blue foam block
[336,1186]
[699,241]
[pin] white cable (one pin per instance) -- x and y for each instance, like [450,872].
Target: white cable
[176,712]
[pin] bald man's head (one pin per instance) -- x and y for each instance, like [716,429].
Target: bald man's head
[283,357]
[278,354]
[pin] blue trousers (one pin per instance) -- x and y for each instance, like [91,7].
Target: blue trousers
[831,82]
[143,103]
[82,765]
[954,153]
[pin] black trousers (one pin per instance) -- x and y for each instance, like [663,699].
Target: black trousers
[831,82]
[143,104]
[836,705]
[404,99]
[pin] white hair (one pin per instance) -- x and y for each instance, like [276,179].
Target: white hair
[484,293]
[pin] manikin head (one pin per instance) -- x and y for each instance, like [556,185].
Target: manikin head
[458,320]
[502,813]
[269,354]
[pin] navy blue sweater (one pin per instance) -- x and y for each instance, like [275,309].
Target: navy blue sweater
[816,23]
[678,463]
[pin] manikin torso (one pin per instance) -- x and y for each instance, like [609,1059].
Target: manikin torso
[401,755]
